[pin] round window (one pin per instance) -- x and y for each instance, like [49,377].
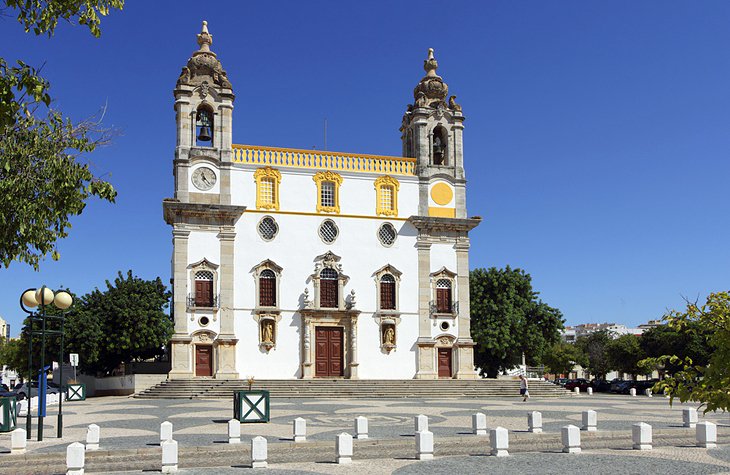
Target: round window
[268,228]
[387,234]
[445,326]
[328,231]
[204,321]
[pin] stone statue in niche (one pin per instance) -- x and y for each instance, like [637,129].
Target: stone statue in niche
[438,151]
[389,335]
[267,331]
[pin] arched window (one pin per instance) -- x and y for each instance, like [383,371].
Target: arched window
[204,126]
[387,292]
[328,288]
[443,296]
[267,289]
[440,149]
[204,289]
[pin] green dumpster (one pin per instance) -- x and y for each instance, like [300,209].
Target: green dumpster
[8,414]
[251,406]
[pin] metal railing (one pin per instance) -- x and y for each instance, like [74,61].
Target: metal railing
[193,303]
[434,308]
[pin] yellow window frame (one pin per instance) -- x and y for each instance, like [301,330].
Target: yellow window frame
[259,176]
[380,208]
[336,179]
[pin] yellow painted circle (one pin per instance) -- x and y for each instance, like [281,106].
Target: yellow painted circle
[441,194]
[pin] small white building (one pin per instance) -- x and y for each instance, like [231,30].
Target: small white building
[301,264]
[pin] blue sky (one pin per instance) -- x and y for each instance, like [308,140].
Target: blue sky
[596,139]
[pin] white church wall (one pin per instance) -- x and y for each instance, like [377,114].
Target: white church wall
[400,363]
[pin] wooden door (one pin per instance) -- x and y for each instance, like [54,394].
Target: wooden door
[328,352]
[444,362]
[203,360]
[204,293]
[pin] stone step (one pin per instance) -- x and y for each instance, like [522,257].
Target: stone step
[342,388]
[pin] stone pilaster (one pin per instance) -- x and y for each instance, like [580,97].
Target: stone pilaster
[226,341]
[180,347]
[353,348]
[464,344]
[425,358]
[307,372]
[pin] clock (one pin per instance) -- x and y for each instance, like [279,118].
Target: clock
[204,178]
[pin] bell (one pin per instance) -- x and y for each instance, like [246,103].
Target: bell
[204,135]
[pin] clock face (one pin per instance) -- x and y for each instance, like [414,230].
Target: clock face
[204,178]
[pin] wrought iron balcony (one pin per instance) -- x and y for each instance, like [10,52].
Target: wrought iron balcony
[200,303]
[436,311]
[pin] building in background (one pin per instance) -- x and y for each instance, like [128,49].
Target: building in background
[4,330]
[301,264]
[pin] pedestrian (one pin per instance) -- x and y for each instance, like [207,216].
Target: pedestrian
[524,392]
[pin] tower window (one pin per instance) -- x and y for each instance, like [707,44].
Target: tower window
[328,288]
[204,126]
[267,289]
[443,296]
[204,289]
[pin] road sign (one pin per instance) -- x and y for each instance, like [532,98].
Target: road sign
[74,359]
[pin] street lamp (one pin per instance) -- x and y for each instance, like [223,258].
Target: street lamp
[30,299]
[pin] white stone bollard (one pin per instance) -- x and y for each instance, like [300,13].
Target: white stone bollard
[361,427]
[300,430]
[234,431]
[479,423]
[421,423]
[707,435]
[647,392]
[534,421]
[424,445]
[632,392]
[570,435]
[590,421]
[641,435]
[259,452]
[689,417]
[75,458]
[576,390]
[165,431]
[343,446]
[499,441]
[589,391]
[169,456]
[92,437]
[18,441]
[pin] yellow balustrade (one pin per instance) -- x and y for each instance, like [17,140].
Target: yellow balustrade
[346,162]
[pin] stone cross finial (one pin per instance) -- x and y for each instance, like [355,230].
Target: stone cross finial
[205,39]
[430,64]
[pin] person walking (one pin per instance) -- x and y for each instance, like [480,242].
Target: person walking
[524,392]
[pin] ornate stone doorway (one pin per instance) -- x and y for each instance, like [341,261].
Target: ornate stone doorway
[444,362]
[203,360]
[328,352]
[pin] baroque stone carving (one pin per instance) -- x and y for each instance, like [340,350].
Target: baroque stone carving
[453,105]
[431,91]
[204,65]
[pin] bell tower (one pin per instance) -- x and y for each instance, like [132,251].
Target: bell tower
[202,207]
[204,106]
[432,132]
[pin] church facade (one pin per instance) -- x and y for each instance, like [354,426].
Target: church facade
[306,264]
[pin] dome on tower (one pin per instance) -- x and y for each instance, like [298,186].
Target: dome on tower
[432,91]
[203,66]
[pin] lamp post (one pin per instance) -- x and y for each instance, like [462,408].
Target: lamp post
[30,299]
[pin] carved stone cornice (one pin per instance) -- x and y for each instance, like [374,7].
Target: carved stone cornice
[432,225]
[176,212]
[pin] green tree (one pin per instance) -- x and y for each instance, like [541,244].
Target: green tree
[704,383]
[41,178]
[624,353]
[507,319]
[132,324]
[594,347]
[15,356]
[562,357]
[666,340]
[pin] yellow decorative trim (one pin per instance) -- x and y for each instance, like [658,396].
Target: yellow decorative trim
[304,213]
[258,176]
[380,208]
[442,194]
[442,212]
[349,162]
[336,179]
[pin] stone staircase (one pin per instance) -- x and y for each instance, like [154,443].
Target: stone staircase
[350,388]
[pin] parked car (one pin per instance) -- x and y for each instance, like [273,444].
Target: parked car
[601,385]
[581,383]
[5,391]
[21,390]
[560,381]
